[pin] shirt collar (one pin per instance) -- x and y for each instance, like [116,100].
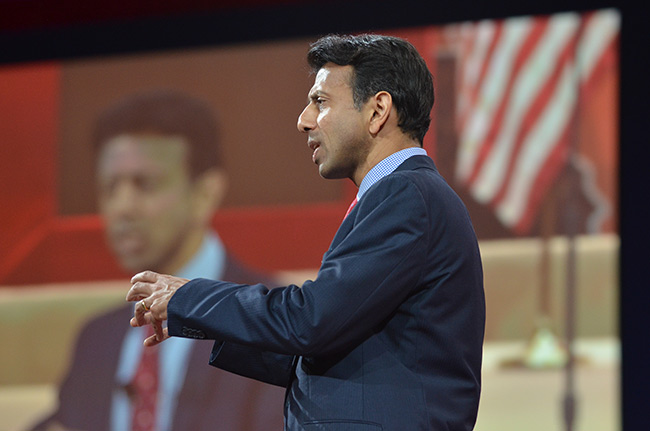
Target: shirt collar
[387,166]
[208,262]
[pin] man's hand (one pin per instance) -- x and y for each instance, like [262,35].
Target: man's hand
[153,291]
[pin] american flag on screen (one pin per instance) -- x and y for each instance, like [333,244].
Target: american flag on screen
[520,82]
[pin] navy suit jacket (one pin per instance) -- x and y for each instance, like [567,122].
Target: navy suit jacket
[208,400]
[388,337]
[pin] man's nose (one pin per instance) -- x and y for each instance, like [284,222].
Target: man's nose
[306,120]
[124,199]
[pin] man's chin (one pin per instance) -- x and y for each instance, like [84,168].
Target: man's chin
[330,174]
[325,172]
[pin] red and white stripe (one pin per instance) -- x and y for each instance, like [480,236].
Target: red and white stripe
[520,80]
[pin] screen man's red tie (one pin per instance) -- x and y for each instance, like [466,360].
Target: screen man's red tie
[145,385]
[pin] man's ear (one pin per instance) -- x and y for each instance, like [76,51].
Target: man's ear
[381,105]
[209,191]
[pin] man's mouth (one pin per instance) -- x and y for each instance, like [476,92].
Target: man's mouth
[127,241]
[315,146]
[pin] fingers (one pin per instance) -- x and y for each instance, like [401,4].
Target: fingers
[142,285]
[148,282]
[146,276]
[140,290]
[156,338]
[159,306]
[153,291]
[159,331]
[150,309]
[137,292]
[140,314]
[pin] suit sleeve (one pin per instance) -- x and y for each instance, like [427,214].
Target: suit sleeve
[265,366]
[374,263]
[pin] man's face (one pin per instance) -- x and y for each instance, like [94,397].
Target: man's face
[336,128]
[144,198]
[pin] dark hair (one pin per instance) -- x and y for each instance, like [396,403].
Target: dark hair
[382,63]
[166,112]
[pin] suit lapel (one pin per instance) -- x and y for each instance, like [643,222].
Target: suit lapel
[412,163]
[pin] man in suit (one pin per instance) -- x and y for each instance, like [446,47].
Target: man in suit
[160,180]
[389,335]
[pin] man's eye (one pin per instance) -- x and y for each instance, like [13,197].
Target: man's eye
[147,184]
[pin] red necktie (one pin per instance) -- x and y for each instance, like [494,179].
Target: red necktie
[145,385]
[354,202]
